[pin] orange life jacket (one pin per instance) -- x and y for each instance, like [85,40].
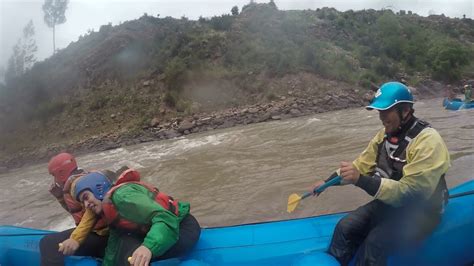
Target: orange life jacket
[113,217]
[74,207]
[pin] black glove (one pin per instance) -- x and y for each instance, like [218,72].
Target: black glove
[112,176]
[56,190]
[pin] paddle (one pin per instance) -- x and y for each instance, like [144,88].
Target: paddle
[294,198]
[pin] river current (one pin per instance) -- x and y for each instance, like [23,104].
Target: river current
[244,174]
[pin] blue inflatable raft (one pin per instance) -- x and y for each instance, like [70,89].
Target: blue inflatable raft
[292,242]
[457,104]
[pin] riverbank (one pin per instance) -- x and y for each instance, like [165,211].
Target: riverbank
[294,103]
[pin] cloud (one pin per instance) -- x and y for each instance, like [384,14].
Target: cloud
[83,15]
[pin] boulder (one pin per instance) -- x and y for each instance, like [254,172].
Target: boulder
[185,126]
[154,122]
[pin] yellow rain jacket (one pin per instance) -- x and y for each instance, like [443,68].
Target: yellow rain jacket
[86,226]
[427,161]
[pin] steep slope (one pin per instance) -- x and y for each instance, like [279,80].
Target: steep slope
[154,78]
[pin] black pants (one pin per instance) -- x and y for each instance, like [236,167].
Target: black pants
[376,230]
[189,232]
[94,246]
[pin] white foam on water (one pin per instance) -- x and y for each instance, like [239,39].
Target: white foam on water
[313,119]
[28,220]
[23,183]
[187,144]
[183,145]
[139,156]
[116,151]
[310,121]
[131,164]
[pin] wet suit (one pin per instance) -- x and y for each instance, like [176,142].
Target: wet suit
[93,245]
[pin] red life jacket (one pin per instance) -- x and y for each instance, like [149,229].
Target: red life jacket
[112,216]
[74,207]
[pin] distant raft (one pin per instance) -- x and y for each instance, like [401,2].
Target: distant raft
[297,242]
[457,104]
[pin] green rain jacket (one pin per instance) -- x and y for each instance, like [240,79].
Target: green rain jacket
[135,203]
[427,160]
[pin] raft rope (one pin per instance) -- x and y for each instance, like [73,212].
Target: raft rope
[45,233]
[461,194]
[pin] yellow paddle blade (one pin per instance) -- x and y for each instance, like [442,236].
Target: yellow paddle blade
[293,200]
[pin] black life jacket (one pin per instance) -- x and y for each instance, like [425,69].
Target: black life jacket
[391,158]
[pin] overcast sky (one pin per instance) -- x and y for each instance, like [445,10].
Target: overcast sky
[83,15]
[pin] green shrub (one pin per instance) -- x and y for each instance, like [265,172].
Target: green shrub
[271,96]
[170,99]
[175,74]
[367,79]
[183,106]
[46,110]
[222,23]
[447,59]
[384,67]
[98,102]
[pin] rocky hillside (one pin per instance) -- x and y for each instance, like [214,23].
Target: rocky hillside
[155,78]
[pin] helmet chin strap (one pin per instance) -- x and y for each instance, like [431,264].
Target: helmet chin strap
[403,120]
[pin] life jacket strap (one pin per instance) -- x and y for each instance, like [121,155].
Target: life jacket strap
[398,154]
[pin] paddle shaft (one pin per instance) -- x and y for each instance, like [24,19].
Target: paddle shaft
[334,181]
[337,180]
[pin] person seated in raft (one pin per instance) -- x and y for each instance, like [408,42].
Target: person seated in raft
[403,168]
[145,223]
[89,237]
[467,93]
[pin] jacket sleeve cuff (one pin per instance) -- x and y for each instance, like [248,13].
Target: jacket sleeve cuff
[371,184]
[153,249]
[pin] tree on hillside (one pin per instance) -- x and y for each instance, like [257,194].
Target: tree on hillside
[389,34]
[234,11]
[54,14]
[23,56]
[272,4]
[29,45]
[15,65]
[2,75]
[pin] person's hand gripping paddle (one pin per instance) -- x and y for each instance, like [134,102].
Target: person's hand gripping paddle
[294,198]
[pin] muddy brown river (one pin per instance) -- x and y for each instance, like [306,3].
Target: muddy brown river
[244,174]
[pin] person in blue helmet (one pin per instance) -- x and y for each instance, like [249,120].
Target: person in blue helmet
[403,169]
[145,224]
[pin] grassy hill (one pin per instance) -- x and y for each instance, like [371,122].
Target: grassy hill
[125,79]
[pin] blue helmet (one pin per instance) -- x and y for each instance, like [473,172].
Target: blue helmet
[95,182]
[390,94]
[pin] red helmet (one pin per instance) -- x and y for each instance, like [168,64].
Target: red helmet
[61,167]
